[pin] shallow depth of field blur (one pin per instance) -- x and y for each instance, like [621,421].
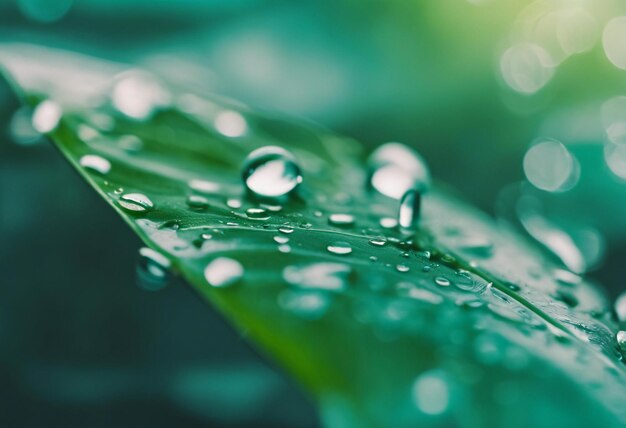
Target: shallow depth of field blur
[519,106]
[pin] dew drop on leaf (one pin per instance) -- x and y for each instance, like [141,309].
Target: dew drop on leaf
[339,247]
[46,116]
[152,269]
[257,213]
[342,220]
[271,172]
[137,202]
[395,168]
[443,281]
[409,211]
[197,202]
[95,163]
[223,272]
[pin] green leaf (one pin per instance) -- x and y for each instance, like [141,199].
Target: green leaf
[461,323]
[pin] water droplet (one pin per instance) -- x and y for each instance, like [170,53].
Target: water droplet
[257,213]
[443,281]
[46,116]
[325,276]
[379,242]
[284,248]
[402,268]
[206,236]
[223,272]
[621,340]
[203,186]
[152,269]
[96,163]
[339,247]
[431,392]
[234,203]
[388,222]
[395,168]
[230,123]
[271,172]
[285,229]
[137,202]
[281,239]
[409,211]
[342,220]
[197,202]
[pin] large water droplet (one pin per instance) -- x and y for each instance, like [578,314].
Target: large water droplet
[197,202]
[95,163]
[137,202]
[339,247]
[223,272]
[620,308]
[271,172]
[46,116]
[395,168]
[409,211]
[152,269]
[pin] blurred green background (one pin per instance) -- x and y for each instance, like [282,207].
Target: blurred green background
[518,105]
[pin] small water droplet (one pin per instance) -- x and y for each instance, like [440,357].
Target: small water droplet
[152,269]
[281,239]
[223,272]
[402,268]
[339,247]
[197,202]
[443,281]
[203,186]
[206,236]
[379,242]
[388,222]
[307,304]
[234,203]
[342,220]
[271,172]
[284,248]
[285,229]
[136,202]
[257,213]
[409,212]
[96,163]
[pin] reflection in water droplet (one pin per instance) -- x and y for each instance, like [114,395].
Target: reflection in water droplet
[431,392]
[285,229]
[95,163]
[339,247]
[409,211]
[613,38]
[549,166]
[341,220]
[46,116]
[223,272]
[443,281]
[526,67]
[325,276]
[230,123]
[395,168]
[137,202]
[152,269]
[271,172]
